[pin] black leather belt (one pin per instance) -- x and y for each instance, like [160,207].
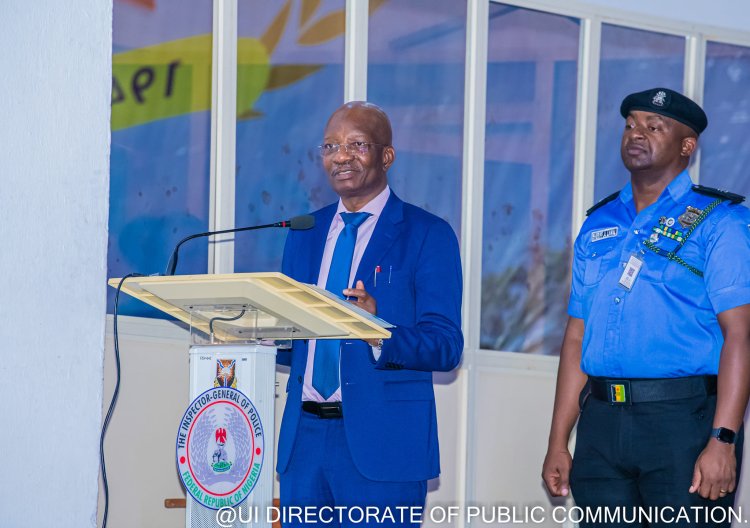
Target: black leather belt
[628,391]
[325,410]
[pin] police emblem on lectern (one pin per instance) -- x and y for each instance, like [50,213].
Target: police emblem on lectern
[225,373]
[220,448]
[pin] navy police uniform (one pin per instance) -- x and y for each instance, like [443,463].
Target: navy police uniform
[648,287]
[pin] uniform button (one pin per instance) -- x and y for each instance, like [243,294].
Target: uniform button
[617,300]
[636,231]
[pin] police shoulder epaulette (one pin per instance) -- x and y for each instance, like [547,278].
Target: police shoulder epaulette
[718,193]
[602,202]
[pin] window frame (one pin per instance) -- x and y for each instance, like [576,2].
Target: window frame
[223,111]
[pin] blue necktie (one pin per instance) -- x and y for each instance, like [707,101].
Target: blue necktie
[327,352]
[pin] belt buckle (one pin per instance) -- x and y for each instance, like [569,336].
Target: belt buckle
[330,410]
[619,392]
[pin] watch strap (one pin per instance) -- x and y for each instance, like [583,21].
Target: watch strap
[722,434]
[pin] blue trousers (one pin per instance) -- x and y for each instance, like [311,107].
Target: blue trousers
[643,455]
[322,480]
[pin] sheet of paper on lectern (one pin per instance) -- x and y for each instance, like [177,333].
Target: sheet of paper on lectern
[364,313]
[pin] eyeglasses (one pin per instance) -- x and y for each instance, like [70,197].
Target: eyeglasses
[356,147]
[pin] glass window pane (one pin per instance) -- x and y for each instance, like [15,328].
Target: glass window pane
[631,60]
[416,74]
[161,99]
[290,78]
[725,144]
[528,182]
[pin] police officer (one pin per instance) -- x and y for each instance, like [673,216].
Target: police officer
[655,362]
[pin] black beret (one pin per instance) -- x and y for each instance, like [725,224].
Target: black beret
[667,103]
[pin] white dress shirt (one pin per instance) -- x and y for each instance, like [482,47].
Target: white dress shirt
[364,233]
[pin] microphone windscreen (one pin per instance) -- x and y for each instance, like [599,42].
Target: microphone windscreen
[302,222]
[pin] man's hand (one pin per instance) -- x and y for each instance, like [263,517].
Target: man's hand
[570,382]
[365,301]
[556,471]
[716,468]
[715,471]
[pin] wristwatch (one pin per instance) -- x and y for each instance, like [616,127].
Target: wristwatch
[722,434]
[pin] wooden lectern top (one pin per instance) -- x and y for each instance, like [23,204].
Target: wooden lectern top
[276,306]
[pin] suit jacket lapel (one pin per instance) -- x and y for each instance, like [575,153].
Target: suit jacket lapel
[387,229]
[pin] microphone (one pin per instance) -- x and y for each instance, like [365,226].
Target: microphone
[297,223]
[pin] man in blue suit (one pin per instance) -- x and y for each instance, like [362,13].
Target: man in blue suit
[359,427]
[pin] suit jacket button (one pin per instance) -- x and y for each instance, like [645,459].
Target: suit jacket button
[299,379]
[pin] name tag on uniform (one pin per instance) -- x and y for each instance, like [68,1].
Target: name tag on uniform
[630,273]
[601,234]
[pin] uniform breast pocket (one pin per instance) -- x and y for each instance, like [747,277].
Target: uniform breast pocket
[598,257]
[685,281]
[654,267]
[657,266]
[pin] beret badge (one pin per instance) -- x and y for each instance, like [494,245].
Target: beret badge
[660,98]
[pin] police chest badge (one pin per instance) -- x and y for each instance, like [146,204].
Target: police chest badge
[689,217]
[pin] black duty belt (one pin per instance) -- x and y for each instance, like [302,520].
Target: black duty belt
[628,391]
[324,410]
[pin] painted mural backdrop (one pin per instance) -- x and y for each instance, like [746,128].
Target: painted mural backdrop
[415,72]
[632,60]
[528,179]
[290,76]
[161,97]
[725,145]
[278,172]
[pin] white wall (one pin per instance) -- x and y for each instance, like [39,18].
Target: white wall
[55,81]
[140,445]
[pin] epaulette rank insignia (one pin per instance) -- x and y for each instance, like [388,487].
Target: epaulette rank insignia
[602,202]
[718,193]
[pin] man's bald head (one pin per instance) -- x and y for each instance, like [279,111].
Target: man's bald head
[377,120]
